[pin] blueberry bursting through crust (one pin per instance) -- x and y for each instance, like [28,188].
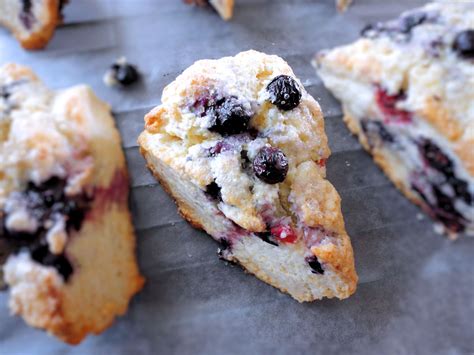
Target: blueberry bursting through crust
[270,165]
[284,92]
[45,202]
[228,117]
[464,44]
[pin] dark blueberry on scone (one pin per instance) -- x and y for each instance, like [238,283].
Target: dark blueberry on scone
[258,186]
[228,116]
[284,92]
[270,165]
[464,44]
[65,226]
[32,22]
[407,91]
[121,74]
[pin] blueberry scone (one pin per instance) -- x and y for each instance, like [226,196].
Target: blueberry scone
[241,147]
[407,90]
[342,5]
[65,229]
[224,8]
[32,22]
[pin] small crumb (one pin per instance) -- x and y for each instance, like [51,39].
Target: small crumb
[347,163]
[419,216]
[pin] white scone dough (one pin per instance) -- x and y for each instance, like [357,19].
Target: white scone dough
[63,208]
[407,90]
[32,22]
[204,143]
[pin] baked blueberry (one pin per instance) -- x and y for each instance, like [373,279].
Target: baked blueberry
[408,22]
[214,191]
[461,189]
[270,165]
[44,202]
[26,16]
[464,44]
[219,148]
[121,73]
[435,157]
[125,74]
[388,104]
[42,255]
[267,237]
[315,265]
[284,92]
[229,117]
[376,131]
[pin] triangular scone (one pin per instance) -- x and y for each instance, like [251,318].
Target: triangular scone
[407,90]
[225,8]
[32,22]
[342,5]
[241,147]
[63,208]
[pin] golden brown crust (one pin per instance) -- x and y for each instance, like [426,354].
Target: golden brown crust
[319,204]
[184,209]
[40,38]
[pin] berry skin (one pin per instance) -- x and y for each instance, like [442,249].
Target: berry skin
[214,191]
[229,117]
[219,148]
[284,92]
[464,44]
[44,202]
[407,23]
[26,16]
[284,233]
[315,265]
[435,157]
[388,105]
[125,74]
[42,255]
[267,237]
[270,165]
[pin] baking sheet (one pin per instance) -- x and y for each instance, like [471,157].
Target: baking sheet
[416,291]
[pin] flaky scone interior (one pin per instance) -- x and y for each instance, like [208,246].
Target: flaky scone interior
[64,214]
[407,90]
[241,147]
